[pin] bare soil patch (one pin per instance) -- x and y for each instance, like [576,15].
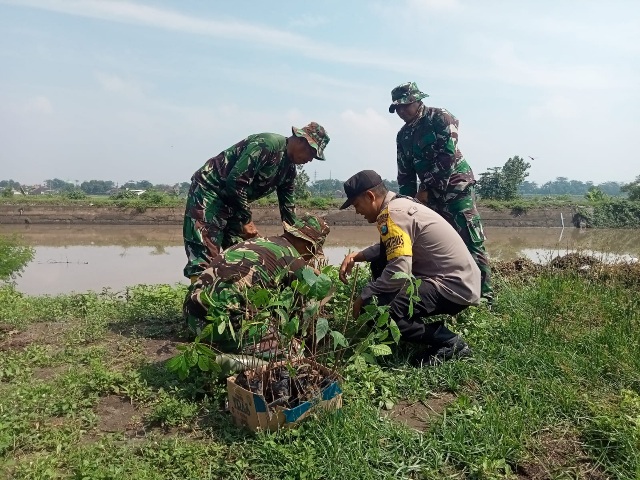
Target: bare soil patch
[556,454]
[159,350]
[46,333]
[419,415]
[116,414]
[49,373]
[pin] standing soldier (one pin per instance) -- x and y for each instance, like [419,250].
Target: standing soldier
[217,214]
[427,147]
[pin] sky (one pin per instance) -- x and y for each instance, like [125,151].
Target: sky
[149,90]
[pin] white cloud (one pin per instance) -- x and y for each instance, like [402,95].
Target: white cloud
[555,107]
[38,105]
[251,34]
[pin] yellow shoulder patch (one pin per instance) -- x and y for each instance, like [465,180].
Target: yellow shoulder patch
[396,241]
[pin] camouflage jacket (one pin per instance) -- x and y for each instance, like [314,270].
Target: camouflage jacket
[427,147]
[251,169]
[270,262]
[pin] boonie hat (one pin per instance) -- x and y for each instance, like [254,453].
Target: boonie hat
[316,135]
[310,228]
[404,94]
[360,183]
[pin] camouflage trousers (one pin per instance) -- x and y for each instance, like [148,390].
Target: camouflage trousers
[462,214]
[205,237]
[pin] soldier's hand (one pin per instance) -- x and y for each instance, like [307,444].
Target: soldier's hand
[249,230]
[422,196]
[346,267]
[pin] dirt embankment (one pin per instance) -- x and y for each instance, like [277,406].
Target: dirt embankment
[102,215]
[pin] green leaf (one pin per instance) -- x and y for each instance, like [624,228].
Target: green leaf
[176,363]
[309,276]
[310,311]
[382,336]
[370,359]
[206,331]
[191,357]
[322,328]
[284,318]
[291,327]
[204,363]
[259,298]
[203,349]
[395,330]
[321,287]
[338,339]
[359,362]
[221,327]
[380,350]
[383,319]
[400,275]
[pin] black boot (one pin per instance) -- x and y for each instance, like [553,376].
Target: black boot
[454,348]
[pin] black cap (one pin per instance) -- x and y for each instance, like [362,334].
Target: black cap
[360,183]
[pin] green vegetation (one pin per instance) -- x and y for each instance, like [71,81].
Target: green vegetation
[501,183]
[14,256]
[633,189]
[552,391]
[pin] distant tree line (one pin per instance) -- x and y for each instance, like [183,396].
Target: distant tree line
[564,186]
[497,183]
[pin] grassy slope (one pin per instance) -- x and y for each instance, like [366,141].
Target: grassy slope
[552,392]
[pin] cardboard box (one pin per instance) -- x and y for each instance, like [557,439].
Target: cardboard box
[250,409]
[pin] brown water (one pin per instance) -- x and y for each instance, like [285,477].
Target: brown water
[80,258]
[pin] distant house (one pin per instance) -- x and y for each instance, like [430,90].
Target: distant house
[137,192]
[39,190]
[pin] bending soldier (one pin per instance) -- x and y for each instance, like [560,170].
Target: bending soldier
[217,214]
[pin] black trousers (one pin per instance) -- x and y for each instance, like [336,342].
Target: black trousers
[417,328]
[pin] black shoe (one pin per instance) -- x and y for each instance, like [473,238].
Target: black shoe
[454,348]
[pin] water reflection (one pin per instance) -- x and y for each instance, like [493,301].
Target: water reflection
[80,258]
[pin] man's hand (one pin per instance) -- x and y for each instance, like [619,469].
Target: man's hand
[347,265]
[249,230]
[422,196]
[357,306]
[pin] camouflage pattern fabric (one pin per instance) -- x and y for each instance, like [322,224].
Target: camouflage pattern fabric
[220,193]
[315,135]
[269,262]
[427,150]
[204,241]
[462,214]
[404,94]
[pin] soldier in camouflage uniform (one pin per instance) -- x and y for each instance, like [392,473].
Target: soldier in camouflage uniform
[270,262]
[427,147]
[217,214]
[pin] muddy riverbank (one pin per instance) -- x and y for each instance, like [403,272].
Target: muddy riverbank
[108,215]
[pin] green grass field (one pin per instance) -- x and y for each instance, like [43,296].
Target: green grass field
[552,391]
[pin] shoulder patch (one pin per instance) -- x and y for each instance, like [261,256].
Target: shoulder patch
[396,241]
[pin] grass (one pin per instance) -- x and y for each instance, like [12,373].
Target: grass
[552,391]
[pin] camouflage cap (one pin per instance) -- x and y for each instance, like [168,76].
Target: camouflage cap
[406,93]
[316,135]
[310,228]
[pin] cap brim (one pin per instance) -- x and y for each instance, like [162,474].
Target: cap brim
[298,132]
[347,204]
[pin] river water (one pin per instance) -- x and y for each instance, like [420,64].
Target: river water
[78,258]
